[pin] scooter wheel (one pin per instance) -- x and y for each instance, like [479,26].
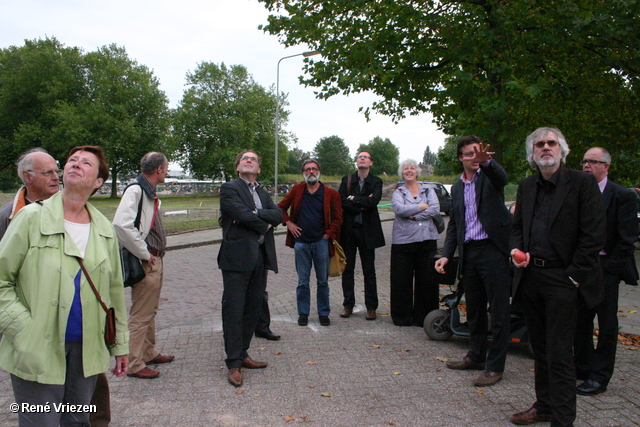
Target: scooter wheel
[436,325]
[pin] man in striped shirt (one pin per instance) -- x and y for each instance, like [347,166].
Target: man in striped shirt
[479,227]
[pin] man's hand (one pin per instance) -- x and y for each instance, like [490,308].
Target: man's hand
[440,264]
[122,366]
[152,261]
[294,229]
[522,264]
[483,154]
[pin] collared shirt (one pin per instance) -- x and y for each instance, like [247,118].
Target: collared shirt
[253,187]
[473,226]
[540,240]
[603,184]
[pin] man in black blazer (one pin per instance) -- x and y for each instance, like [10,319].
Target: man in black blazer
[247,218]
[618,263]
[558,223]
[479,227]
[360,193]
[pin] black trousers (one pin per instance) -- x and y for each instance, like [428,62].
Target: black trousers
[264,320]
[354,241]
[486,279]
[241,304]
[414,290]
[598,363]
[549,302]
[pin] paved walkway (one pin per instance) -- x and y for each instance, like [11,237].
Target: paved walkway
[354,372]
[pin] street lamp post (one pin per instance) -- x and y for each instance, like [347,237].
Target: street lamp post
[306,55]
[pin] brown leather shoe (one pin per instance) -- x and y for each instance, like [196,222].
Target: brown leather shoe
[249,363]
[465,363]
[371,315]
[162,359]
[235,377]
[347,312]
[488,378]
[530,416]
[145,373]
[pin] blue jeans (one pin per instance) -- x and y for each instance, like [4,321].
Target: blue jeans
[317,254]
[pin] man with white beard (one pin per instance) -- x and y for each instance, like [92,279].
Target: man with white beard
[313,215]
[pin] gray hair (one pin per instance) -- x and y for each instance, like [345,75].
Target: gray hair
[539,133]
[606,156]
[152,161]
[409,162]
[25,162]
[312,160]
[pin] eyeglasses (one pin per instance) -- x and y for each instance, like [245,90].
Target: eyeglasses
[311,170]
[592,162]
[364,157]
[48,173]
[253,159]
[551,143]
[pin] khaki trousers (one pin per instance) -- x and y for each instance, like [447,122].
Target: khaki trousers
[145,297]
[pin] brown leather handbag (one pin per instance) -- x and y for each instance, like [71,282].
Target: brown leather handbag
[110,325]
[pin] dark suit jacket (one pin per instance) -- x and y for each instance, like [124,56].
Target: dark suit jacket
[492,213]
[576,228]
[365,201]
[241,228]
[622,232]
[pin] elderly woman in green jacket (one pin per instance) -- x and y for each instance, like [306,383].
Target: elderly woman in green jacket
[53,325]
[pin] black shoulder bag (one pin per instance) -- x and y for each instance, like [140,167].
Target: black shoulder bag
[132,271]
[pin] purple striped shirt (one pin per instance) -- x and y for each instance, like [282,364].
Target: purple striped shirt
[473,229]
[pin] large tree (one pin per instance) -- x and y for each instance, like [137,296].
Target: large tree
[57,97]
[487,67]
[222,112]
[333,155]
[385,155]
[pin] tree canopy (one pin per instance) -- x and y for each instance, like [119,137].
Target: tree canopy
[333,155]
[384,154]
[57,97]
[222,112]
[486,67]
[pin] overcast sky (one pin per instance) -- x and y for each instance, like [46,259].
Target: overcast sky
[172,37]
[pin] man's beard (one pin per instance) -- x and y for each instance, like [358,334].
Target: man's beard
[311,178]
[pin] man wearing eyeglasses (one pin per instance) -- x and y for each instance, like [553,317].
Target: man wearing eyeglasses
[313,215]
[360,193]
[558,223]
[479,228]
[39,174]
[595,367]
[247,251]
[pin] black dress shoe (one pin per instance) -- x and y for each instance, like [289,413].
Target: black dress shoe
[268,335]
[303,320]
[591,388]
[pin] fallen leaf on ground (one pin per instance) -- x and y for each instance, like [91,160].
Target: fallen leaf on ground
[632,311]
[261,348]
[629,339]
[239,391]
[312,386]
[312,363]
[443,359]
[479,391]
[325,394]
[375,346]
[397,373]
[256,395]
[277,353]
[289,418]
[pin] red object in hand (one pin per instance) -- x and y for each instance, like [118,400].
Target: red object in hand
[519,256]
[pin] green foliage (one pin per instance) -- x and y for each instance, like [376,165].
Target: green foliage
[491,68]
[222,112]
[294,162]
[447,162]
[429,157]
[57,97]
[333,155]
[385,156]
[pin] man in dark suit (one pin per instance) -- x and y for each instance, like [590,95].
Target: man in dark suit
[479,227]
[360,193]
[618,263]
[247,218]
[558,223]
